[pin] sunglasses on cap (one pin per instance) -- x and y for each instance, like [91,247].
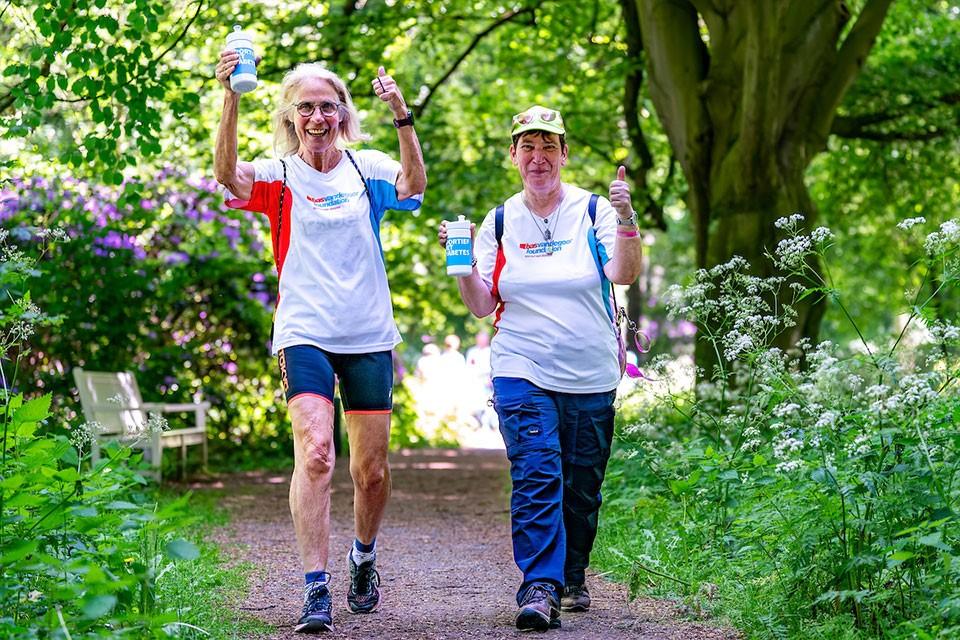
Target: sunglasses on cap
[531,115]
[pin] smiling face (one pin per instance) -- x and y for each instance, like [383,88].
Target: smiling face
[538,156]
[317,133]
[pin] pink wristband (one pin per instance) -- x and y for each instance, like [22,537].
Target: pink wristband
[622,233]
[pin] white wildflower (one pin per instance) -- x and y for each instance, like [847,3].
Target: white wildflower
[821,235]
[910,222]
[826,420]
[942,240]
[860,445]
[786,410]
[787,466]
[156,423]
[789,222]
[792,252]
[944,332]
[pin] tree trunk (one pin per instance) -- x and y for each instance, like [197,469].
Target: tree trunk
[746,92]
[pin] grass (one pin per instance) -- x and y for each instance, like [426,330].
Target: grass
[207,592]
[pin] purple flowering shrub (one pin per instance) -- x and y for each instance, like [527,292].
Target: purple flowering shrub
[159,278]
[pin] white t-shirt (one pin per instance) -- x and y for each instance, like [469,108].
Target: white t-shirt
[553,320]
[333,283]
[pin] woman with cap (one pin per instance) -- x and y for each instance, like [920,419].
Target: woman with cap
[334,316]
[544,261]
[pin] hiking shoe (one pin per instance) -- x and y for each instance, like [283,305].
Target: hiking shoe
[317,607]
[539,609]
[575,598]
[364,593]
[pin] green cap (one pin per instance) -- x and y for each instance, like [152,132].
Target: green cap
[538,118]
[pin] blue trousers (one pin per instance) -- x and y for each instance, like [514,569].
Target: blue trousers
[558,445]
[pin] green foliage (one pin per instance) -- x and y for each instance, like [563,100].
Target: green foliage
[82,547]
[819,486]
[169,285]
[84,81]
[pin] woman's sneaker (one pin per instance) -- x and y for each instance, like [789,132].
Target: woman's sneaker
[575,598]
[364,593]
[317,607]
[539,609]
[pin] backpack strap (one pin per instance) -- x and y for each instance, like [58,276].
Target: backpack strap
[592,208]
[498,224]
[362,179]
[283,191]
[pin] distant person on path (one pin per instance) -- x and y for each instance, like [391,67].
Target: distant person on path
[478,368]
[478,356]
[334,315]
[544,261]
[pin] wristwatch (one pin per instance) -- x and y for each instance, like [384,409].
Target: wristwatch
[404,122]
[629,222]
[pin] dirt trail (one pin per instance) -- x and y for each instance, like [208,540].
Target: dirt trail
[444,556]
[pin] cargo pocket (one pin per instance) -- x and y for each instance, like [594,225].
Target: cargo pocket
[523,427]
[594,436]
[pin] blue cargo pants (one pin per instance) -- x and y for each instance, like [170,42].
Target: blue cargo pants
[558,445]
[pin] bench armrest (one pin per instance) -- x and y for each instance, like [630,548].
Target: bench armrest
[163,407]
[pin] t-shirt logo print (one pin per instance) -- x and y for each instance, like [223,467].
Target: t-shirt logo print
[542,249]
[332,201]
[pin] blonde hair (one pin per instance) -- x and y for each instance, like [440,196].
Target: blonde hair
[285,141]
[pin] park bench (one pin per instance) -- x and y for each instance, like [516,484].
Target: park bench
[112,399]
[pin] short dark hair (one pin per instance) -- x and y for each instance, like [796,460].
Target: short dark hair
[542,134]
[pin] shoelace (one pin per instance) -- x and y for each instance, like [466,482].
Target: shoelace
[315,596]
[531,593]
[365,577]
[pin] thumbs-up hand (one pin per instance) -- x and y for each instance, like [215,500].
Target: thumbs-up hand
[620,194]
[386,89]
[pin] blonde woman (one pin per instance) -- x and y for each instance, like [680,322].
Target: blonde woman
[334,316]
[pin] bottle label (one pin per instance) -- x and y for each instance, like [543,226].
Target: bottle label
[247,62]
[458,252]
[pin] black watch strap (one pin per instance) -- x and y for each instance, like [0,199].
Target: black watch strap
[404,122]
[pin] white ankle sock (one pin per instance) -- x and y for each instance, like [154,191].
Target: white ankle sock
[360,557]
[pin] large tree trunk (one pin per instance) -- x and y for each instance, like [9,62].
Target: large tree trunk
[746,92]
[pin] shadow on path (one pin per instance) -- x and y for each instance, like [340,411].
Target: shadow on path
[444,556]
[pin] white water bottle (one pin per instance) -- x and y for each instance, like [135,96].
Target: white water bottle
[459,249]
[244,76]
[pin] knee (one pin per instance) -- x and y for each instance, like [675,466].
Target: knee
[371,477]
[318,459]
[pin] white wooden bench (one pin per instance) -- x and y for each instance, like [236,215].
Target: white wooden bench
[112,399]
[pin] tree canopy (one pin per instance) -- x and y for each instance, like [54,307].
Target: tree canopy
[728,115]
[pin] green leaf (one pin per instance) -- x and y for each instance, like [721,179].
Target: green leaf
[34,410]
[18,550]
[69,474]
[181,550]
[899,557]
[122,505]
[934,540]
[98,606]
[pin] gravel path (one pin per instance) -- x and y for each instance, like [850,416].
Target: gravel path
[444,557]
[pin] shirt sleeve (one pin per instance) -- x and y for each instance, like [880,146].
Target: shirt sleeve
[605,229]
[265,194]
[485,249]
[381,173]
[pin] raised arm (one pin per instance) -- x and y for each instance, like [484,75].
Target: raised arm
[473,290]
[234,175]
[627,261]
[413,174]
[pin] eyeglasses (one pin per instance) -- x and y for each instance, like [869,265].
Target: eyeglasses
[326,107]
[543,115]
